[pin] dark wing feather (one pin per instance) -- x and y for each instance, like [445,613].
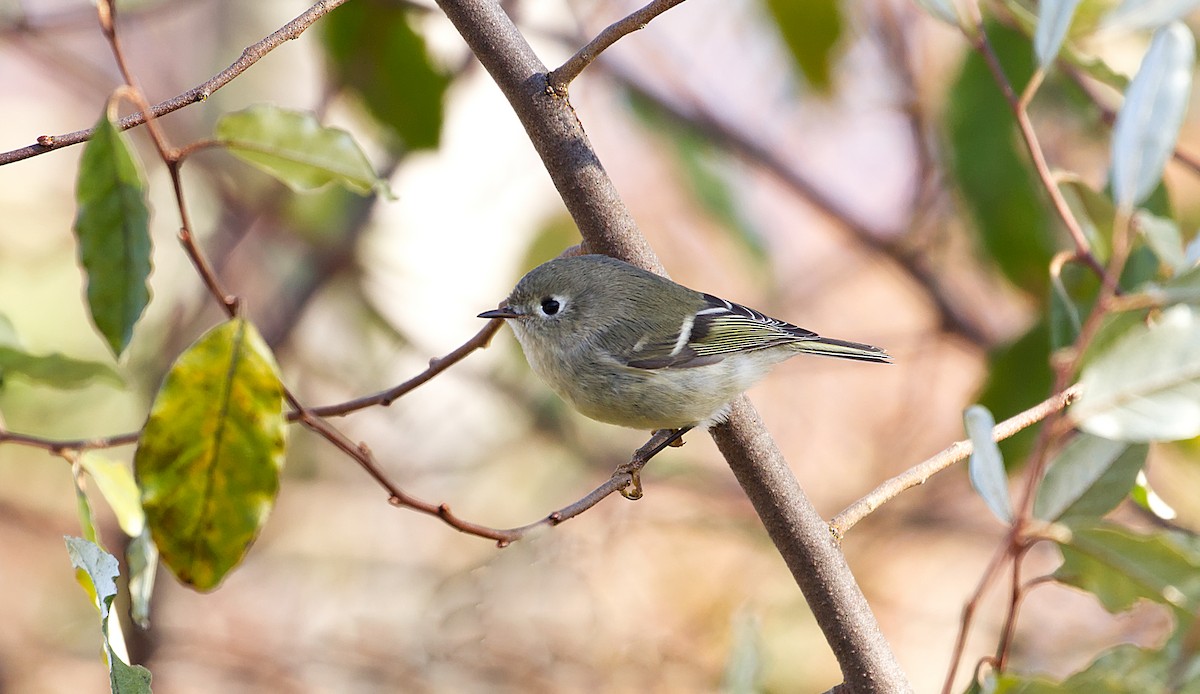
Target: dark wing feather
[722,327]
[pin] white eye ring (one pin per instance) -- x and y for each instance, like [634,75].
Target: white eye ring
[551,306]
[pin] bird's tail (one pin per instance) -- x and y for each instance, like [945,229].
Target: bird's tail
[829,347]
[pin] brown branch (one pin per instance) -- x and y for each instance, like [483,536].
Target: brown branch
[251,55]
[954,319]
[560,78]
[920,473]
[979,41]
[799,534]
[436,366]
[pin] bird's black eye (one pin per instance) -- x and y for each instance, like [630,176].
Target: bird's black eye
[550,306]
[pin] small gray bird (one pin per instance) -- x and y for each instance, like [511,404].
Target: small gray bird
[628,347]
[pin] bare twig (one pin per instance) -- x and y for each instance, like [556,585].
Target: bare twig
[954,319]
[251,55]
[561,77]
[436,366]
[979,41]
[920,473]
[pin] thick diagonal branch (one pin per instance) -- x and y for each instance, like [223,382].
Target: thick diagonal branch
[606,226]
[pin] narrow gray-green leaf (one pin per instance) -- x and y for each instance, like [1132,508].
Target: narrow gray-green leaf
[295,148]
[986,467]
[141,556]
[112,224]
[941,9]
[1147,125]
[1163,237]
[1088,478]
[1145,386]
[1054,20]
[55,369]
[1132,15]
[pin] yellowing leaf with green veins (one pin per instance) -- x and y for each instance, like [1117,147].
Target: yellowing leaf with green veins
[112,224]
[209,458]
[295,148]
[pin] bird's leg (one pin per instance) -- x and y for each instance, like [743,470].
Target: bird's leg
[660,440]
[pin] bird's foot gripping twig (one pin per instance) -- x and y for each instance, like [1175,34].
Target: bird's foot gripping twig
[659,441]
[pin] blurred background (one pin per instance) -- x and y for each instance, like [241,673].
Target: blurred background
[850,168]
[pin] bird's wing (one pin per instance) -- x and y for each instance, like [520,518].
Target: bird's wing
[718,329]
[721,328]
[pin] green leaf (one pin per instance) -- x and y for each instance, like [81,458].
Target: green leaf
[1120,567]
[115,483]
[98,571]
[1148,122]
[55,369]
[811,30]
[295,148]
[1164,238]
[374,51]
[1123,669]
[993,175]
[112,224]
[209,457]
[1088,478]
[1146,385]
[1054,20]
[83,510]
[986,467]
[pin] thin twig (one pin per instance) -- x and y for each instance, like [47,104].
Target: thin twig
[920,473]
[560,78]
[251,55]
[436,366]
[979,41]
[954,319]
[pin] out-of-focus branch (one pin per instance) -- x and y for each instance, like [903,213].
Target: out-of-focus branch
[960,450]
[250,56]
[978,39]
[954,318]
[798,532]
[561,77]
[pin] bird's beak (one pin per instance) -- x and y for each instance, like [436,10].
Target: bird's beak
[502,312]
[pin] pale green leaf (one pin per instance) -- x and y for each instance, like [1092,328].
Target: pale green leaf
[1146,385]
[1088,478]
[1148,122]
[1120,567]
[115,483]
[1164,238]
[295,148]
[986,467]
[1054,20]
[1133,15]
[141,556]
